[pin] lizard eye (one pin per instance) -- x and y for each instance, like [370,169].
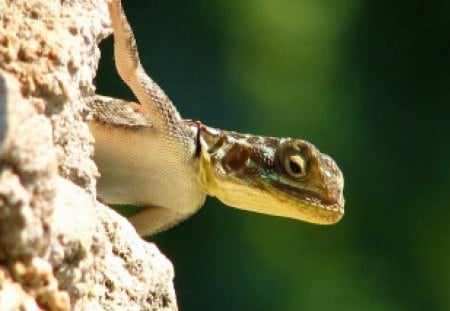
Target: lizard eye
[295,165]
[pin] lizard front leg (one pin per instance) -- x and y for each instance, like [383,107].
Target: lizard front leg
[153,99]
[155,219]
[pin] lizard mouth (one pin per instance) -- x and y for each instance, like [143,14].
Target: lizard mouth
[311,206]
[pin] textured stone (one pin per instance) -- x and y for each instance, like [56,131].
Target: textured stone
[61,249]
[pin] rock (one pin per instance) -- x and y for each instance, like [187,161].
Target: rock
[61,249]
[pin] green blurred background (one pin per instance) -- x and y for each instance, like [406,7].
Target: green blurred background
[368,82]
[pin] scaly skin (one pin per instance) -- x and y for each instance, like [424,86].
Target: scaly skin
[149,156]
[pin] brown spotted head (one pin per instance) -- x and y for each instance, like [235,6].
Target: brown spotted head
[277,176]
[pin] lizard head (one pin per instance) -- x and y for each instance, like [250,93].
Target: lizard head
[277,176]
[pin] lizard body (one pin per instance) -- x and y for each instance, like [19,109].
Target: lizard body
[149,156]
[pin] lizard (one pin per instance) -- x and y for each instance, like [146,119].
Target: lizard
[149,156]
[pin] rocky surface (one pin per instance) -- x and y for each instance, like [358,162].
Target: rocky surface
[60,249]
